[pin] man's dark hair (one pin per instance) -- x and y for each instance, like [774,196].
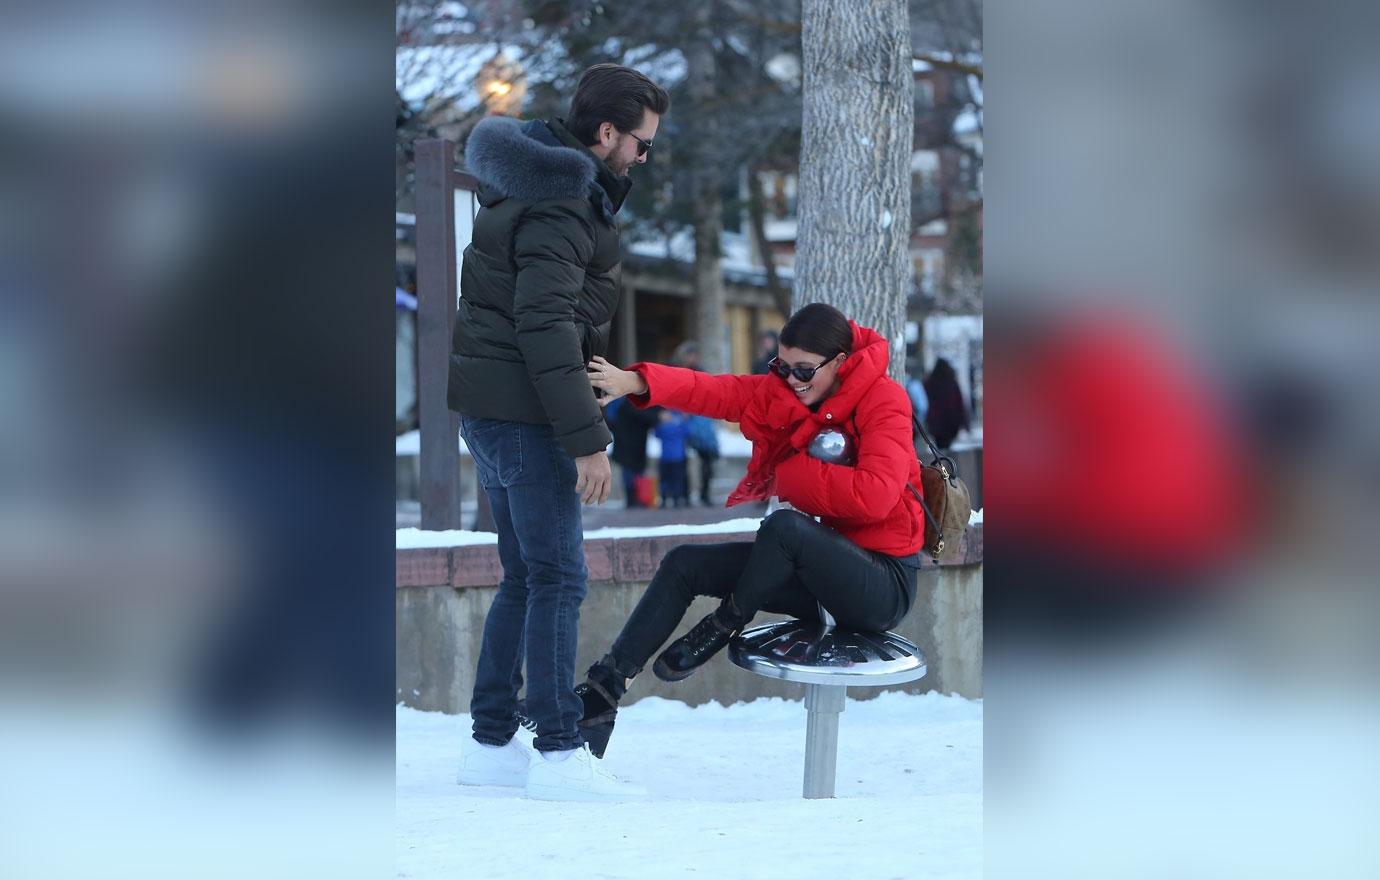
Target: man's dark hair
[613,93]
[818,328]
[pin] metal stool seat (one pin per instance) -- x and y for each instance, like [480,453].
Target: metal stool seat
[828,661]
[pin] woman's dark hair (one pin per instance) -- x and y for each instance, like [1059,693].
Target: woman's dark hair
[820,329]
[613,93]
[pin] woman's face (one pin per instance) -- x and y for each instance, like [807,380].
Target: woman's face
[819,386]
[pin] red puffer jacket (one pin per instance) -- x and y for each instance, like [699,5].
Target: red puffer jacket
[868,502]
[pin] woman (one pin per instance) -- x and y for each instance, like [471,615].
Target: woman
[859,561]
[948,414]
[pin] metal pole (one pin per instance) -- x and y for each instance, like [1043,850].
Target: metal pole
[823,703]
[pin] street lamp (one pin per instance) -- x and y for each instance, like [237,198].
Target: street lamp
[501,85]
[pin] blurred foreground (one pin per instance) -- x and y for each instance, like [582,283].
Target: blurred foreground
[1181,266]
[195,613]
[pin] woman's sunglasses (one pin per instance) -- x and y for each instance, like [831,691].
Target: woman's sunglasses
[804,374]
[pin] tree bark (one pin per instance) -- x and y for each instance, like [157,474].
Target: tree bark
[757,215]
[853,247]
[707,216]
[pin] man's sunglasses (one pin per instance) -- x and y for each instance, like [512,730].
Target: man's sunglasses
[642,146]
[804,374]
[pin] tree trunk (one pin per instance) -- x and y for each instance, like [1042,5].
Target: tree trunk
[707,279]
[757,213]
[853,248]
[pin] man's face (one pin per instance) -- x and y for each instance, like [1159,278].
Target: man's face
[623,148]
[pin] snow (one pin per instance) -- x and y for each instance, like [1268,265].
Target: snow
[781,229]
[680,247]
[411,539]
[724,798]
[666,68]
[733,445]
[968,121]
[784,68]
[411,444]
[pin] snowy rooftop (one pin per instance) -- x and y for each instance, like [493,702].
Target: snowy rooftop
[736,260]
[724,798]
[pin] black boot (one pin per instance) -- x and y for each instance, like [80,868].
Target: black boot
[704,640]
[600,693]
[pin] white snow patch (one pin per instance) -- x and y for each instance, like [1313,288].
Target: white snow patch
[724,797]
[886,220]
[409,539]
[411,444]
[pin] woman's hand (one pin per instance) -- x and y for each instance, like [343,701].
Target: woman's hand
[614,382]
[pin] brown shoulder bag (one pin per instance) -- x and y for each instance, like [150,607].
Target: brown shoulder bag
[945,501]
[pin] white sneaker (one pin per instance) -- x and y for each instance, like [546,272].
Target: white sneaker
[487,765]
[577,778]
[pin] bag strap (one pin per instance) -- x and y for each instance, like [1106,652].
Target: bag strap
[925,435]
[943,462]
[926,508]
[946,468]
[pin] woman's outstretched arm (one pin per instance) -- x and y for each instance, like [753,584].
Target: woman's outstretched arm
[692,391]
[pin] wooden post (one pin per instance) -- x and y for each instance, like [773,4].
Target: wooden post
[436,298]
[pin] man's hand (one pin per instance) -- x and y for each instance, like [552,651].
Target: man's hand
[594,478]
[614,382]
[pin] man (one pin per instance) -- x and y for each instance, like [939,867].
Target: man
[539,286]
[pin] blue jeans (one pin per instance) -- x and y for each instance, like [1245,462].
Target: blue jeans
[530,481]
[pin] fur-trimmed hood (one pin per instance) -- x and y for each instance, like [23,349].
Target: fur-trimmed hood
[535,160]
[514,159]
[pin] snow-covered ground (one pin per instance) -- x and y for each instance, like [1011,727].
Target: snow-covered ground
[724,801]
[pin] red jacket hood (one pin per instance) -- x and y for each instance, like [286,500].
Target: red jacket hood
[861,369]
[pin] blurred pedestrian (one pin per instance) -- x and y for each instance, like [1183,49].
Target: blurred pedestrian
[630,427]
[674,433]
[703,438]
[767,344]
[915,388]
[948,414]
[705,441]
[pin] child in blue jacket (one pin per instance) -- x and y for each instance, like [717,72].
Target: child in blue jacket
[674,433]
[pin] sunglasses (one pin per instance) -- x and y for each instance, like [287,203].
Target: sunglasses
[642,146]
[804,374]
